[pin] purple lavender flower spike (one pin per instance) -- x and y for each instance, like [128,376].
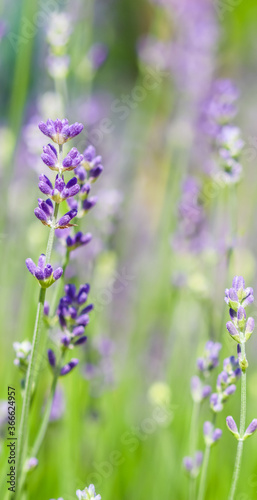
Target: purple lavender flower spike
[238,283]
[51,357]
[251,429]
[43,273]
[192,465]
[67,368]
[232,427]
[59,130]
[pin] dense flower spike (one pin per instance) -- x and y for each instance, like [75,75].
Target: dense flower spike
[211,435]
[210,359]
[44,273]
[70,162]
[88,494]
[59,130]
[238,297]
[192,465]
[45,213]
[23,352]
[225,383]
[92,163]
[60,191]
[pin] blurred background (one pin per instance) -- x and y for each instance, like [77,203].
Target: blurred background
[136,74]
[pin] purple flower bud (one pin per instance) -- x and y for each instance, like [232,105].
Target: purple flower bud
[216,435]
[51,357]
[206,391]
[89,203]
[67,368]
[231,424]
[39,274]
[188,463]
[230,390]
[78,330]
[232,331]
[57,273]
[251,428]
[249,328]
[46,308]
[31,266]
[81,341]
[49,157]
[207,428]
[65,220]
[48,271]
[238,283]
[198,458]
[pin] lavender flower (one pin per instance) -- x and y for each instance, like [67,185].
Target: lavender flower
[69,367]
[232,427]
[45,213]
[70,162]
[97,55]
[61,191]
[199,391]
[210,360]
[88,493]
[238,297]
[60,131]
[78,240]
[211,435]
[192,465]
[251,429]
[44,273]
[225,383]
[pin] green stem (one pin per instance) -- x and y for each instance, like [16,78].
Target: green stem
[193,444]
[241,431]
[23,432]
[204,473]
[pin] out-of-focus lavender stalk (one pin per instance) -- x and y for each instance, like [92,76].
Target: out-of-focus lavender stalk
[240,329]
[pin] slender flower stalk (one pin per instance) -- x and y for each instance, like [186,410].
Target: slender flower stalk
[240,329]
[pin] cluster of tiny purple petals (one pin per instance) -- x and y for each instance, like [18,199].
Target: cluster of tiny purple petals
[43,272]
[225,383]
[78,240]
[60,131]
[45,212]
[70,162]
[238,297]
[199,390]
[218,113]
[210,360]
[192,464]
[211,435]
[60,191]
